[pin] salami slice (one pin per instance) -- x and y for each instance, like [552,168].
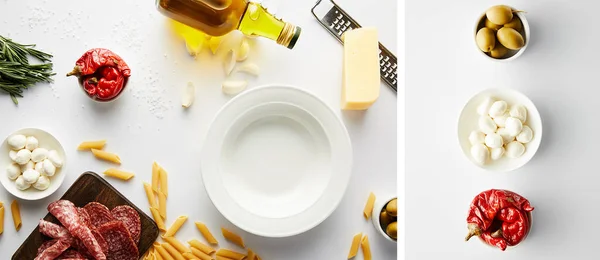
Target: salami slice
[45,245]
[131,219]
[53,251]
[85,218]
[70,254]
[52,230]
[120,243]
[99,214]
[101,242]
[66,213]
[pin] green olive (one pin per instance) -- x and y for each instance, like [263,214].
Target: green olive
[499,14]
[515,23]
[392,230]
[384,219]
[510,38]
[491,25]
[392,208]
[486,40]
[499,51]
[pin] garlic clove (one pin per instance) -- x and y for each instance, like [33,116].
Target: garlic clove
[214,43]
[243,51]
[188,95]
[249,68]
[234,87]
[229,62]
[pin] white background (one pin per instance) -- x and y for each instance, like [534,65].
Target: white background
[147,123]
[557,71]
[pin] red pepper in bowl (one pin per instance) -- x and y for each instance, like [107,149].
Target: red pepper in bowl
[499,217]
[102,73]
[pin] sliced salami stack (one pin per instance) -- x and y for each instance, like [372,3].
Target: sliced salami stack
[91,232]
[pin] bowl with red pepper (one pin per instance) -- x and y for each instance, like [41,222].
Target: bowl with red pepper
[102,74]
[500,218]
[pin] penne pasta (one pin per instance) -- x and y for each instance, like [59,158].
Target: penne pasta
[16,214]
[200,246]
[230,254]
[175,226]
[172,251]
[159,221]
[354,246]
[109,157]
[116,173]
[150,195]
[251,255]
[258,257]
[163,176]
[200,254]
[366,248]
[1,218]
[224,258]
[176,244]
[155,177]
[157,255]
[162,204]
[206,233]
[88,145]
[190,256]
[369,206]
[163,252]
[233,237]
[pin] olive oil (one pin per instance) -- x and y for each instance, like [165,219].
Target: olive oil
[219,17]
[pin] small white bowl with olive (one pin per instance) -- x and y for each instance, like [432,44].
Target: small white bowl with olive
[502,33]
[385,217]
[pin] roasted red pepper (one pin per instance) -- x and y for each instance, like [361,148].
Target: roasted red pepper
[499,206]
[102,72]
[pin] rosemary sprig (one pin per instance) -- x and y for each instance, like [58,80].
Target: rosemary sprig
[16,73]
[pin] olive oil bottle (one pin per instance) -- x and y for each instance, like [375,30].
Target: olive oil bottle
[219,17]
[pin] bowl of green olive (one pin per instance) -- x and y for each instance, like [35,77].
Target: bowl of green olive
[502,33]
[385,218]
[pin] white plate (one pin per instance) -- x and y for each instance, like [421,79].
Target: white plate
[468,122]
[276,161]
[46,140]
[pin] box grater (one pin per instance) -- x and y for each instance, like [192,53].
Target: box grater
[337,21]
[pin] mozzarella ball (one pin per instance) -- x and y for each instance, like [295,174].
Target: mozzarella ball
[23,156]
[49,168]
[42,183]
[515,149]
[55,158]
[39,167]
[13,171]
[484,107]
[39,154]
[21,184]
[29,165]
[480,153]
[17,142]
[31,176]
[487,125]
[526,135]
[497,153]
[513,126]
[501,120]
[519,112]
[31,143]
[498,108]
[506,137]
[476,137]
[493,141]
[12,154]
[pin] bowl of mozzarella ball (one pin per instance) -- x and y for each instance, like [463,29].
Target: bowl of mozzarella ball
[33,161]
[500,129]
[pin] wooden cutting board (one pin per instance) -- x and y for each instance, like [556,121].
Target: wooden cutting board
[87,188]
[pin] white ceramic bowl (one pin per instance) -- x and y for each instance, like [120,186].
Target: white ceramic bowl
[377,209]
[468,121]
[276,161]
[46,140]
[511,54]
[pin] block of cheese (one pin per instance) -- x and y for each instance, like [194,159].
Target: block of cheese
[361,82]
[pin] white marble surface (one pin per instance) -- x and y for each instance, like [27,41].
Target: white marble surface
[558,73]
[148,124]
